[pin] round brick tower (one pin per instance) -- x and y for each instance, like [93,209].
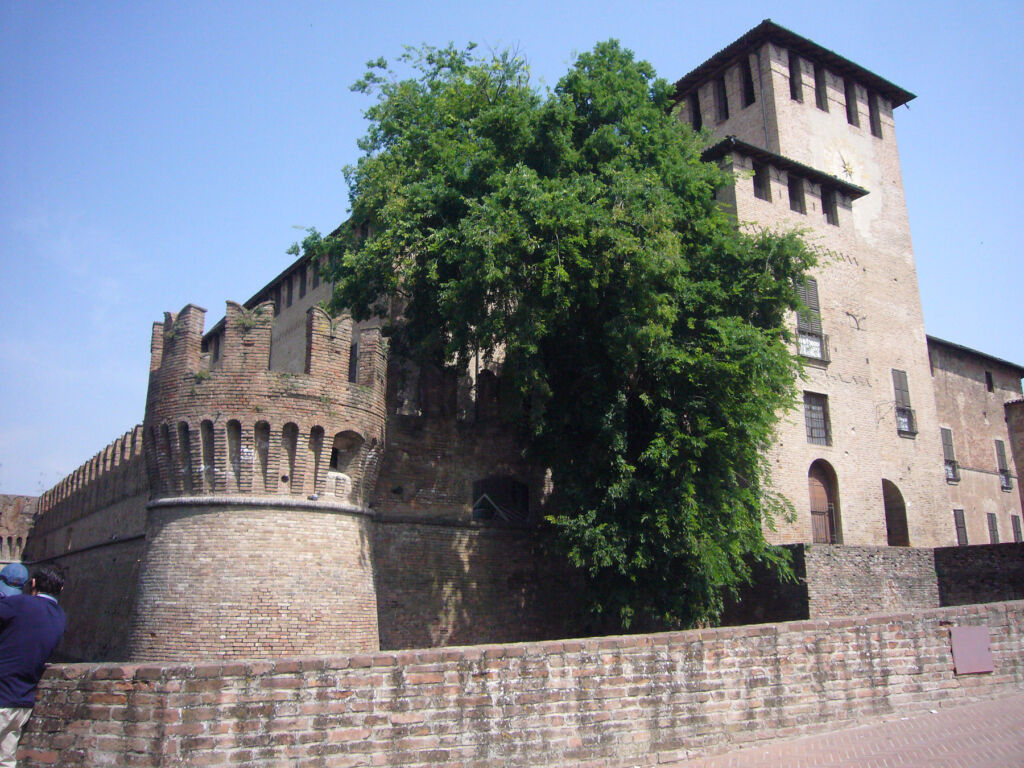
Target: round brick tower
[258,537]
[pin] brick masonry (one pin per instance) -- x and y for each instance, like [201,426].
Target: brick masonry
[16,515]
[977,415]
[599,702]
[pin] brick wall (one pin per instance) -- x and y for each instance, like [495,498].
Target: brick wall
[602,702]
[979,574]
[452,584]
[16,513]
[91,526]
[847,581]
[240,579]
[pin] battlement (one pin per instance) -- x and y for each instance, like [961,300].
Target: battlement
[220,422]
[113,474]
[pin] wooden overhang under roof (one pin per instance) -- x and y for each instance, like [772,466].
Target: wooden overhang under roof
[769,31]
[731,144]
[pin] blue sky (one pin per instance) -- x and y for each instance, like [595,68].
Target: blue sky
[154,154]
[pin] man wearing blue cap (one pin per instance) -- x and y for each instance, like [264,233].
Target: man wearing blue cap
[31,625]
[12,579]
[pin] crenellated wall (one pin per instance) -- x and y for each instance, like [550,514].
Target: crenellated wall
[258,537]
[91,526]
[113,475]
[228,425]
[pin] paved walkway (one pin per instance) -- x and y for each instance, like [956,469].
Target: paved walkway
[988,734]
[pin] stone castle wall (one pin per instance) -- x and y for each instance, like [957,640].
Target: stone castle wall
[600,702]
[258,536]
[91,525]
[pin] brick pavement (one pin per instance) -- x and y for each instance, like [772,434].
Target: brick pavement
[986,734]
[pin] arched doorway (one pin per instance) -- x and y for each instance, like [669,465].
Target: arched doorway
[823,488]
[895,515]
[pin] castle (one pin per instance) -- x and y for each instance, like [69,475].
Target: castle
[293,489]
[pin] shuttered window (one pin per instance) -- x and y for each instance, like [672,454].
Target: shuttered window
[949,456]
[1001,455]
[906,424]
[811,341]
[1015,522]
[809,319]
[1004,472]
[993,528]
[961,527]
[899,385]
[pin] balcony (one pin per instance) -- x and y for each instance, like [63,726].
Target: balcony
[952,471]
[906,423]
[1005,481]
[813,346]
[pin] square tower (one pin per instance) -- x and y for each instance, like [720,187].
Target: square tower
[811,139]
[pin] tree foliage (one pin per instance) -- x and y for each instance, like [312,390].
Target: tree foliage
[575,236]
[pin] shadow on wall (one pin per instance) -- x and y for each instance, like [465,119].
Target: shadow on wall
[98,597]
[451,584]
[981,573]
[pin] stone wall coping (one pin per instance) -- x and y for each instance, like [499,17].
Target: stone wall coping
[162,672]
[276,502]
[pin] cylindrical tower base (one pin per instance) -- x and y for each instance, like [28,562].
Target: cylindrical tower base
[253,578]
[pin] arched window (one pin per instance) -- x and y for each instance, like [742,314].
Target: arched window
[261,438]
[206,438]
[896,531]
[345,447]
[824,498]
[316,450]
[234,430]
[185,460]
[166,464]
[289,441]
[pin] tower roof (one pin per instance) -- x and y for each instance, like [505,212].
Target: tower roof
[769,31]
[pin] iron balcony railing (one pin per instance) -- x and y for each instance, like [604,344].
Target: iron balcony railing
[906,423]
[813,346]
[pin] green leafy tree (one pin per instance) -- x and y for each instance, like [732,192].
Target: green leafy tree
[575,237]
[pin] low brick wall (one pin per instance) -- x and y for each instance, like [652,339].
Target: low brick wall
[600,702]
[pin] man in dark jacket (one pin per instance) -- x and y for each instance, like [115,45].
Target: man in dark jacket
[31,625]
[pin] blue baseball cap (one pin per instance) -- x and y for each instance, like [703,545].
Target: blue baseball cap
[13,578]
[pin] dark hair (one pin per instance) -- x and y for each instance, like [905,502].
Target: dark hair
[48,580]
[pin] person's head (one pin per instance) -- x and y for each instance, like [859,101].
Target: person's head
[48,580]
[12,579]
